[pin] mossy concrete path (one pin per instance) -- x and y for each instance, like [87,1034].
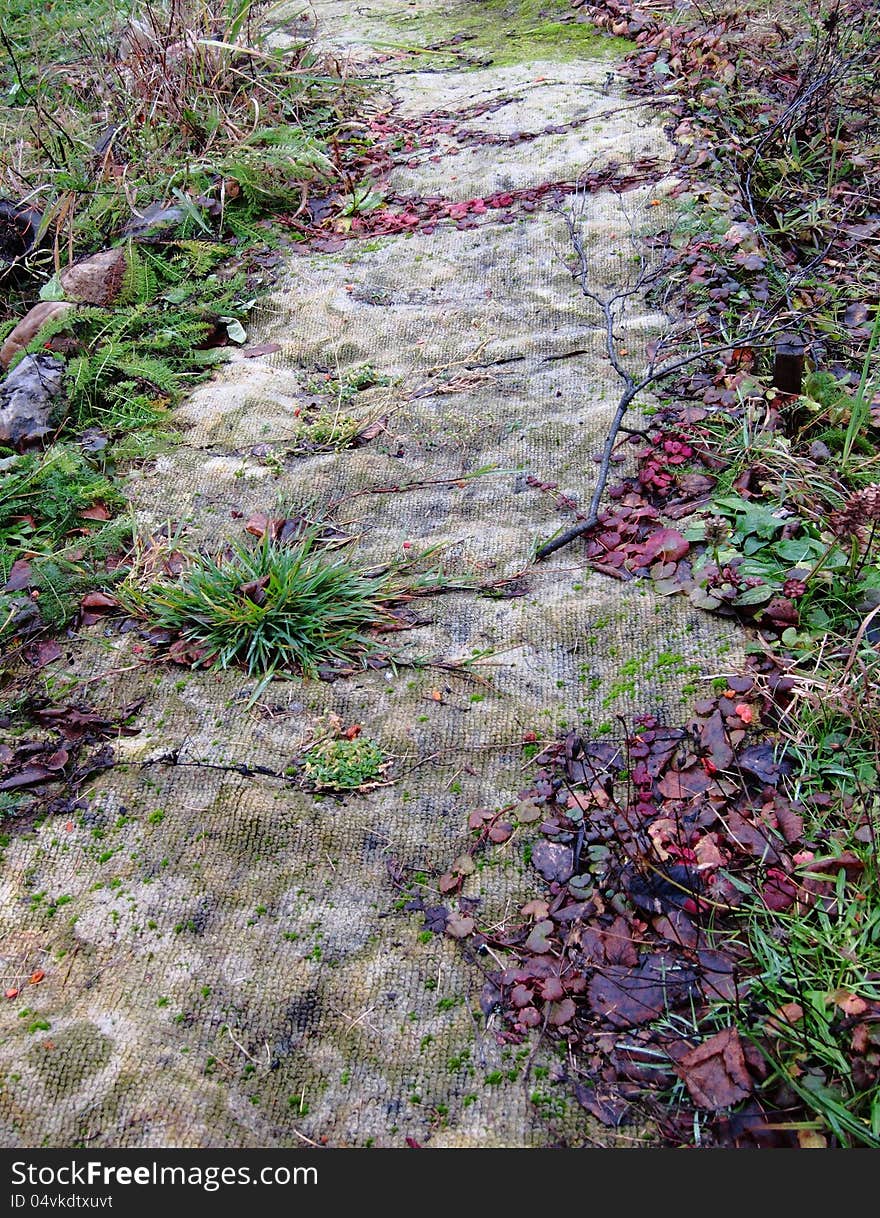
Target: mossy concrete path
[226,959]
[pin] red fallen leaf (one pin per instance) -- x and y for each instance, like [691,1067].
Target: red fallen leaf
[521,996]
[626,997]
[713,738]
[779,890]
[448,882]
[255,590]
[257,524]
[183,652]
[98,511]
[754,839]
[11,993]
[684,784]
[351,733]
[413,1144]
[58,760]
[370,432]
[780,610]
[846,861]
[500,832]
[791,825]
[478,817]
[262,349]
[30,776]
[605,568]
[19,576]
[715,1072]
[44,653]
[618,943]
[561,1013]
[611,1111]
[36,977]
[99,602]
[668,542]
[552,990]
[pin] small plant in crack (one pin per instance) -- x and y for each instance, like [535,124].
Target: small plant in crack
[344,763]
[272,608]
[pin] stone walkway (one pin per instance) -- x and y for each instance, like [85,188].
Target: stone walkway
[225,960]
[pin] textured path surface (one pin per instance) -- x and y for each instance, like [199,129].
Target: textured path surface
[225,965]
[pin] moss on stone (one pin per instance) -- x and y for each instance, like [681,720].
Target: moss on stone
[504,33]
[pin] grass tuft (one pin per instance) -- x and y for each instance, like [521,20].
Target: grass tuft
[272,608]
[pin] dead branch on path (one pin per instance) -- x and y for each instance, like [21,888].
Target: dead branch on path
[611,306]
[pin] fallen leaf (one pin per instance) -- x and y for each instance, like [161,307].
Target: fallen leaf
[553,861]
[669,543]
[714,740]
[30,776]
[436,917]
[19,576]
[539,938]
[849,1003]
[459,926]
[98,511]
[610,1110]
[759,760]
[715,1072]
[44,653]
[561,1013]
[684,784]
[626,997]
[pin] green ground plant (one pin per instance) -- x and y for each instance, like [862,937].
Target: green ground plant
[175,131]
[343,764]
[271,608]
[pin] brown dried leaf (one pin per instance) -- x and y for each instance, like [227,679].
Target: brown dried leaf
[715,1072]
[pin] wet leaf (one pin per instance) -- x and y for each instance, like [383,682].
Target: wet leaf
[610,1110]
[684,784]
[713,738]
[436,917]
[561,1013]
[553,861]
[627,997]
[715,1072]
[459,926]
[539,939]
[19,576]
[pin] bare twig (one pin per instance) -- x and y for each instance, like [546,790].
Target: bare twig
[610,306]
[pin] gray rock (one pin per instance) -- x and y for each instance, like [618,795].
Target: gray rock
[28,397]
[154,223]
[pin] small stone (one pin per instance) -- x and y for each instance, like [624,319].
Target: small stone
[28,397]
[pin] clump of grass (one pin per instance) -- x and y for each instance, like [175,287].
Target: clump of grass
[343,764]
[272,608]
[819,968]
